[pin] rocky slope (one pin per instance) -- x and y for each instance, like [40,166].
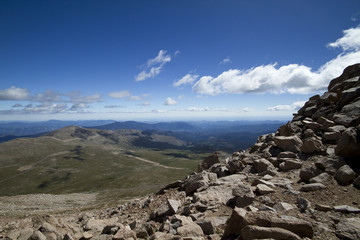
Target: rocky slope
[299,183]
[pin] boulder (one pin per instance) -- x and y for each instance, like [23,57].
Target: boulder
[190,230]
[214,195]
[198,182]
[309,172]
[349,145]
[345,175]
[208,162]
[288,129]
[263,189]
[312,187]
[348,73]
[348,228]
[290,164]
[262,165]
[312,125]
[37,235]
[312,145]
[331,136]
[357,182]
[291,143]
[244,195]
[321,178]
[255,232]
[286,155]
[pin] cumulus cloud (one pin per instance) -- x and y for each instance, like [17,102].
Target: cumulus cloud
[120,94]
[187,79]
[225,60]
[292,107]
[292,78]
[154,66]
[350,40]
[14,93]
[170,101]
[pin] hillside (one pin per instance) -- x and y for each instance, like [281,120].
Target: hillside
[75,159]
[301,182]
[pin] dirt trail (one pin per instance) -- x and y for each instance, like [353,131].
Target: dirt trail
[152,162]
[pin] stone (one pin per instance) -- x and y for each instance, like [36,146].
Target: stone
[345,175]
[348,73]
[208,162]
[303,204]
[190,230]
[357,182]
[286,155]
[312,125]
[96,225]
[344,120]
[323,208]
[47,227]
[198,182]
[337,128]
[263,189]
[331,136]
[312,187]
[348,146]
[346,209]
[235,165]
[312,145]
[291,143]
[288,129]
[283,207]
[236,222]
[262,165]
[256,232]
[37,235]
[214,195]
[244,195]
[348,228]
[309,172]
[308,133]
[321,178]
[174,205]
[124,234]
[220,170]
[206,226]
[290,164]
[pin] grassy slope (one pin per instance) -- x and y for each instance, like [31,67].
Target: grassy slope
[74,160]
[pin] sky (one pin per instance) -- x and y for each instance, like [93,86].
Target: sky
[171,60]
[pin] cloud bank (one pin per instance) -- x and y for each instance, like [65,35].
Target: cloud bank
[292,78]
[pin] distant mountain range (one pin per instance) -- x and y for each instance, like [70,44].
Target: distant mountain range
[199,135]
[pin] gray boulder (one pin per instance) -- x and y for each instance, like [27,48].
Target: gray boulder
[208,162]
[291,143]
[345,175]
[348,228]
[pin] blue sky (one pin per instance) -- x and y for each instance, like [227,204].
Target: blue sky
[171,60]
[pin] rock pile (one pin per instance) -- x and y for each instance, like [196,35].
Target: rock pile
[301,182]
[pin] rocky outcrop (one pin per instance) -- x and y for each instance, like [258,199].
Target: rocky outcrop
[301,182]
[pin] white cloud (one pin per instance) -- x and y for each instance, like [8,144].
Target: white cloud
[154,66]
[225,60]
[114,106]
[245,110]
[350,40]
[120,94]
[170,101]
[14,93]
[292,78]
[293,107]
[145,104]
[187,79]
